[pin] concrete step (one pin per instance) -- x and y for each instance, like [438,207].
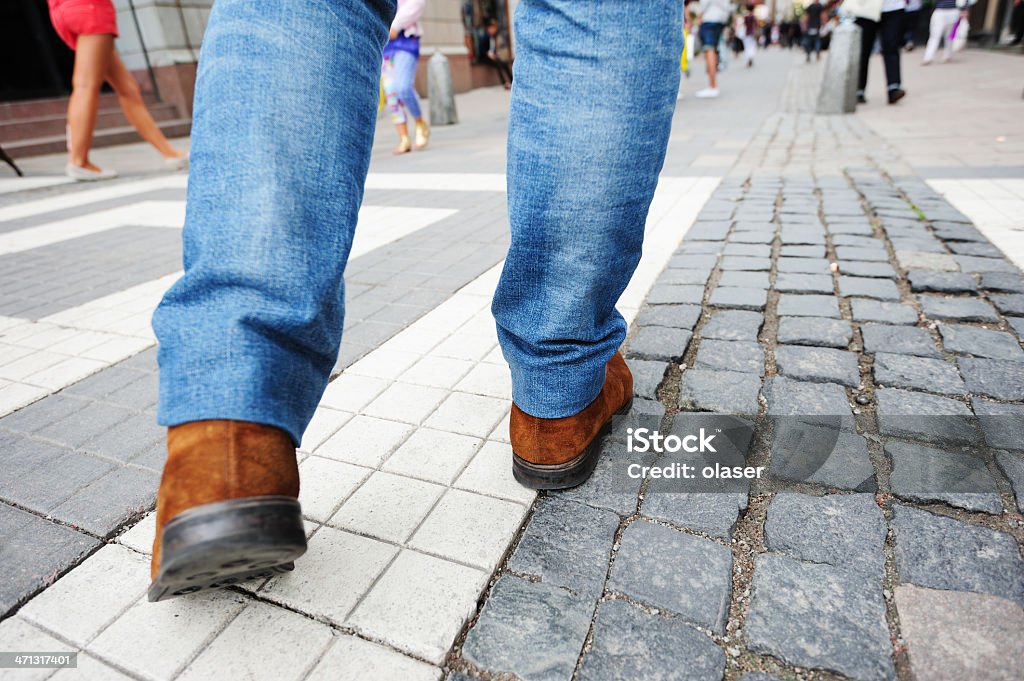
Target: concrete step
[54,106]
[18,129]
[50,144]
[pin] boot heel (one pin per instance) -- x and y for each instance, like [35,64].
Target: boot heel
[569,474]
[217,545]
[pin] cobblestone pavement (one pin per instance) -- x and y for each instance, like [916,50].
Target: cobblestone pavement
[822,277]
[818,276]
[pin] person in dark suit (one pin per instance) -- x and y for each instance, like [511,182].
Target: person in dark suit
[490,50]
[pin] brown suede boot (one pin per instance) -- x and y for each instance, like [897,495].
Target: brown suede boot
[227,509]
[562,453]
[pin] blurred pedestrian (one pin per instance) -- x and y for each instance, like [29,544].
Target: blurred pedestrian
[814,16]
[89,28]
[398,73]
[1017,22]
[940,28]
[491,54]
[749,24]
[714,15]
[913,20]
[887,26]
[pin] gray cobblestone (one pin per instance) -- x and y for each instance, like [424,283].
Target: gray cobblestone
[970,263]
[727,392]
[736,325]
[1012,465]
[999,378]
[744,279]
[943,553]
[647,376]
[810,251]
[756,250]
[1009,303]
[739,297]
[843,530]
[795,282]
[674,571]
[802,266]
[855,240]
[924,260]
[924,474]
[1001,424]
[674,316]
[819,365]
[904,340]
[855,268]
[745,263]
[862,254]
[929,418]
[819,331]
[819,616]
[1017,324]
[867,310]
[608,487]
[958,309]
[868,287]
[533,630]
[941,282]
[799,235]
[630,644]
[742,356]
[921,373]
[567,544]
[975,342]
[984,250]
[659,343]
[711,512]
[850,227]
[711,230]
[664,294]
[1007,282]
[787,397]
[684,277]
[792,305]
[821,454]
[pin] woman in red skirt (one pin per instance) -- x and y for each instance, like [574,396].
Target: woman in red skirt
[89,28]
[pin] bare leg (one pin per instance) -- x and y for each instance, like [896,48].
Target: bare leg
[92,59]
[130,98]
[404,144]
[711,58]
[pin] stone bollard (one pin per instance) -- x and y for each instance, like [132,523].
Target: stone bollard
[440,91]
[838,93]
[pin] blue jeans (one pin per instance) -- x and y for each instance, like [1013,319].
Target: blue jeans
[285,108]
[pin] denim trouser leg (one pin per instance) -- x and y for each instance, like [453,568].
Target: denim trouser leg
[286,103]
[595,89]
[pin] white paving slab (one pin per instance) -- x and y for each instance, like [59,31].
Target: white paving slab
[263,642]
[996,207]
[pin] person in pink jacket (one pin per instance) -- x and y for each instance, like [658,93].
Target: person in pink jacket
[398,73]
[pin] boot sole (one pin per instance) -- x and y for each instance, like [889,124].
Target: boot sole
[217,545]
[566,475]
